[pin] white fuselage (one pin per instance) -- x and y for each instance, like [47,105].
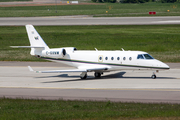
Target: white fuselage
[113,60]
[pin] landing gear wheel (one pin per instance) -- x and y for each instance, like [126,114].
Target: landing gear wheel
[153,76]
[97,75]
[83,75]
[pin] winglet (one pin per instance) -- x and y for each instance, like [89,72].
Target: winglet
[30,69]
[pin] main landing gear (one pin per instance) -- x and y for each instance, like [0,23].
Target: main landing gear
[97,74]
[83,75]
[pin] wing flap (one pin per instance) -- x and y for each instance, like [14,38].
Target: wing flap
[97,69]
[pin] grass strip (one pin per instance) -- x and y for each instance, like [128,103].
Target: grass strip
[14,0]
[161,41]
[114,9]
[59,109]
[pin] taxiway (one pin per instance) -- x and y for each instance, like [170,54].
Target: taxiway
[135,86]
[88,20]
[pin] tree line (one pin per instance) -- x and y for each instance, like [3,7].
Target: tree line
[135,1]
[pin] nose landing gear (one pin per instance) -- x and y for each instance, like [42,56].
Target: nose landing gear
[154,74]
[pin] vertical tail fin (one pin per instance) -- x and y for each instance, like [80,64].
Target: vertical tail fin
[35,41]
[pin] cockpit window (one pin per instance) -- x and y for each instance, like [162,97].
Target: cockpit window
[144,56]
[147,56]
[140,57]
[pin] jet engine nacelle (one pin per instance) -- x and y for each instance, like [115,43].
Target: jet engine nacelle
[70,49]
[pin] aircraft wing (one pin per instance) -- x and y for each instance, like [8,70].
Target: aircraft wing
[58,71]
[84,69]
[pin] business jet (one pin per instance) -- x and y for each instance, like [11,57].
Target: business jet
[91,60]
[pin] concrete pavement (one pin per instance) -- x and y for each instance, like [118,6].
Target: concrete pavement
[136,86]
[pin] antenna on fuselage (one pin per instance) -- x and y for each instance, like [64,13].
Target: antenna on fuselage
[122,49]
[96,49]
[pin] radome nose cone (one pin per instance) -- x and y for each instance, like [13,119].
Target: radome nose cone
[162,65]
[166,66]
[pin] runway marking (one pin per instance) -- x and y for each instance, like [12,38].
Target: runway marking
[138,89]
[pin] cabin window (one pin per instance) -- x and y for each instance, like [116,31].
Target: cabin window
[147,56]
[140,57]
[130,58]
[58,53]
[100,58]
[124,58]
[112,58]
[118,58]
[106,58]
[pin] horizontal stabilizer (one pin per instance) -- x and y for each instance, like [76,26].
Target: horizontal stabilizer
[25,47]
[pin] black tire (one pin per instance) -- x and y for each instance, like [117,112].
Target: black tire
[97,75]
[153,76]
[85,76]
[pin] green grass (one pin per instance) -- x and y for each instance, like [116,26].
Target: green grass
[161,41]
[58,109]
[117,9]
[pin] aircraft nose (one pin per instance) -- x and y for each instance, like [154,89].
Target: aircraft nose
[164,66]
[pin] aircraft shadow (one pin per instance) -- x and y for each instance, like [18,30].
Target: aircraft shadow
[116,75]
[62,75]
[149,78]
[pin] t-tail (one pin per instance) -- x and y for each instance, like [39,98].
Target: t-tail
[37,44]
